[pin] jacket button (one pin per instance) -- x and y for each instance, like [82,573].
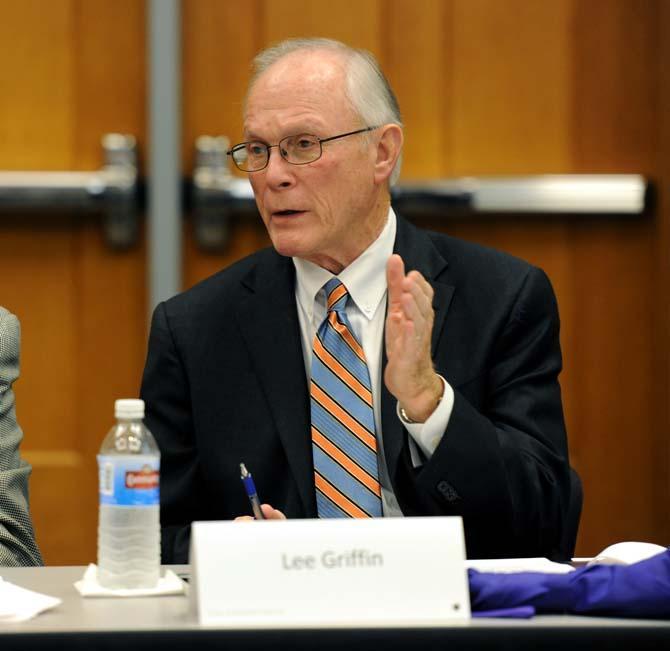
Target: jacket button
[448,491]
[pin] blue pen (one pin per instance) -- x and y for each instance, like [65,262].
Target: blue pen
[248,482]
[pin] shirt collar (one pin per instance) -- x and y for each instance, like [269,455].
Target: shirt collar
[364,278]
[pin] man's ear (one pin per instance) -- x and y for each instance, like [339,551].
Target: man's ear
[388,150]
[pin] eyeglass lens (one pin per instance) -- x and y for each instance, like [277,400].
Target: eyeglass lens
[299,150]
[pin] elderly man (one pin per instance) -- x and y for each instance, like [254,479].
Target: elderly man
[360,367]
[17,540]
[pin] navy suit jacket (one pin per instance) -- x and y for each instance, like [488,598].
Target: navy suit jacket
[225,382]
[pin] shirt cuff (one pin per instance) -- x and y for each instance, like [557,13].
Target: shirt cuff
[429,434]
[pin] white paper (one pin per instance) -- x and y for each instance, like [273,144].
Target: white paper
[88,586]
[19,604]
[510,565]
[625,553]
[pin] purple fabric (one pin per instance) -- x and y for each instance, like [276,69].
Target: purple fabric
[522,612]
[638,590]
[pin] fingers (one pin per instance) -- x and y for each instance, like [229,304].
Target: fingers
[269,513]
[413,294]
[410,311]
[421,291]
[409,370]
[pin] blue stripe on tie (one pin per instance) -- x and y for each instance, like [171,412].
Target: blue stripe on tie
[340,350]
[333,430]
[346,398]
[326,508]
[345,483]
[339,303]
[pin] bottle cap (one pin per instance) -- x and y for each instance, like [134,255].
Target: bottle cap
[129,408]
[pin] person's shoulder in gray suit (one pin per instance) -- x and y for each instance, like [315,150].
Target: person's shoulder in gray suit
[17,539]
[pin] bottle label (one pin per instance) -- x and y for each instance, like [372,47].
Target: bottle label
[129,480]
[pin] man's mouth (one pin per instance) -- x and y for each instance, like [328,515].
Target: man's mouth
[287,213]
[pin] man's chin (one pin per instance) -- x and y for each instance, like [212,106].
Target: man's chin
[289,246]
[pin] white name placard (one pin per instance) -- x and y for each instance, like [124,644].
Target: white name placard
[356,573]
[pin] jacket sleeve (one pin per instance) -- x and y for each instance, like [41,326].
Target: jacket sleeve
[168,415]
[502,463]
[17,539]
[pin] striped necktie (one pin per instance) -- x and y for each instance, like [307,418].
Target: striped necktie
[344,443]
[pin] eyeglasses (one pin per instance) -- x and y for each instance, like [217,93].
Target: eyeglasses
[300,149]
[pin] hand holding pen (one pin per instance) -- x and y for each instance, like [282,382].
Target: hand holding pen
[266,511]
[261,512]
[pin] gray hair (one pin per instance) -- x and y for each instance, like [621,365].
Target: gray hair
[367,89]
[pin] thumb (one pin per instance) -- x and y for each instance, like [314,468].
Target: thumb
[395,272]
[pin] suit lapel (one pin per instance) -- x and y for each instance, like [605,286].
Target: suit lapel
[418,252]
[269,323]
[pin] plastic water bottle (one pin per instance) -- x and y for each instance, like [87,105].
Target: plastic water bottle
[129,517]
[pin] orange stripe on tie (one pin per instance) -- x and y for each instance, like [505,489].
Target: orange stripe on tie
[341,372]
[337,498]
[345,333]
[336,295]
[346,462]
[343,416]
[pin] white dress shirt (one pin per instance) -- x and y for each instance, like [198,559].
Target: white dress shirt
[365,280]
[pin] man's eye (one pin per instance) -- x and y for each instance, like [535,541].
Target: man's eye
[305,143]
[256,149]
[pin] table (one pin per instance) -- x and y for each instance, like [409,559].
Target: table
[168,623]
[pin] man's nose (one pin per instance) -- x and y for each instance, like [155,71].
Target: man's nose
[279,172]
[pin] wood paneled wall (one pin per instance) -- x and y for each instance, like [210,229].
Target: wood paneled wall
[486,87]
[70,71]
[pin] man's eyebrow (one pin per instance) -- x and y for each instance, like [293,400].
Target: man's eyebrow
[311,129]
[252,137]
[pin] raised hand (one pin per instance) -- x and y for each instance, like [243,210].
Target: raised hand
[409,373]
